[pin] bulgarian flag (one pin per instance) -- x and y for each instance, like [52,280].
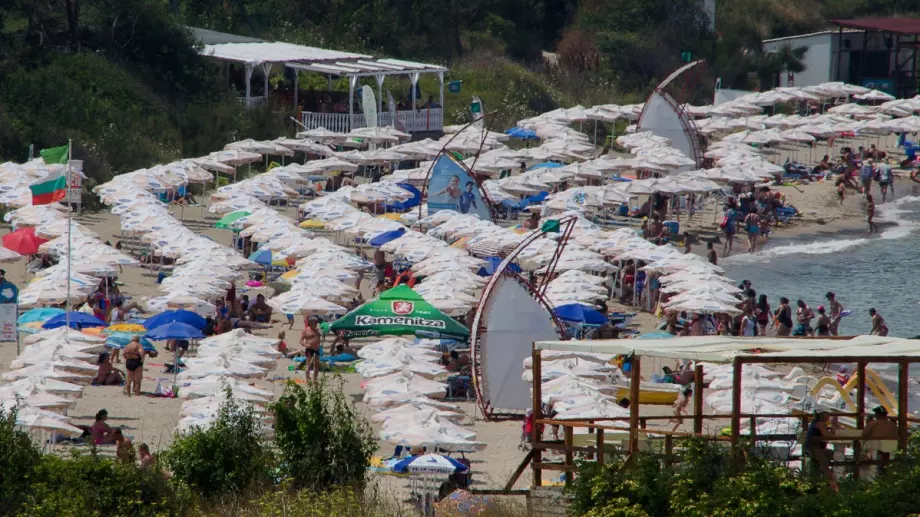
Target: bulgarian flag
[53,187]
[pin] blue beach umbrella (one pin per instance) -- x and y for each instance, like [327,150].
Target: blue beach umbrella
[546,165]
[265,257]
[521,133]
[181,316]
[386,237]
[120,340]
[578,313]
[174,330]
[430,464]
[492,264]
[80,319]
[41,314]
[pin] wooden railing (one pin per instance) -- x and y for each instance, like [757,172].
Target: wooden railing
[667,439]
[411,121]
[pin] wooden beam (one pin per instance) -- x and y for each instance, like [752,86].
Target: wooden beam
[634,382]
[536,438]
[736,403]
[698,399]
[813,359]
[600,446]
[569,456]
[518,471]
[903,372]
[556,466]
[860,411]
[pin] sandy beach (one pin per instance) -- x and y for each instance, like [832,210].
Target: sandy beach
[153,420]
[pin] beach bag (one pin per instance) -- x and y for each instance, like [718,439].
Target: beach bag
[724,222]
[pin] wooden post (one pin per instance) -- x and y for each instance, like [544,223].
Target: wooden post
[860,409]
[736,404]
[569,455]
[668,449]
[600,446]
[536,439]
[634,382]
[902,404]
[698,399]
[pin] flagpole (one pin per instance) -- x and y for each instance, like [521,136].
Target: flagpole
[69,216]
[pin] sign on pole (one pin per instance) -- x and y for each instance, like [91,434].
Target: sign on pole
[8,315]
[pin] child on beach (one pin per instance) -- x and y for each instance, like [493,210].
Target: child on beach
[870,213]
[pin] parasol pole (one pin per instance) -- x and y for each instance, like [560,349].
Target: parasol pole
[69,220]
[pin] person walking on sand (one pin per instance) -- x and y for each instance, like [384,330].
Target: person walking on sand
[866,172]
[310,340]
[835,309]
[783,318]
[870,213]
[885,179]
[879,328]
[752,225]
[729,226]
[762,311]
[803,316]
[134,366]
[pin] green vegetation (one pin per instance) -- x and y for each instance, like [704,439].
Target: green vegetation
[707,483]
[227,457]
[124,78]
[322,440]
[318,462]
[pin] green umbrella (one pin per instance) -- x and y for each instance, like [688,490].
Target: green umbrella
[231,218]
[398,312]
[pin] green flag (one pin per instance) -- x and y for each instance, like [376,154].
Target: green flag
[55,154]
[399,312]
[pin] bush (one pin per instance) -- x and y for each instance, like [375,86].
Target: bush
[323,440]
[18,458]
[92,485]
[228,456]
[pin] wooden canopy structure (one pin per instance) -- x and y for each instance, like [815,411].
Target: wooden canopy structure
[861,350]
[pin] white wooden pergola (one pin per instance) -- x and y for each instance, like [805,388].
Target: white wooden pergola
[332,63]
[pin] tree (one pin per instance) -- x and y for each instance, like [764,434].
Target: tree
[18,458]
[324,440]
[228,456]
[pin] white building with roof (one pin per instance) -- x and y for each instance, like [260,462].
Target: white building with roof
[262,58]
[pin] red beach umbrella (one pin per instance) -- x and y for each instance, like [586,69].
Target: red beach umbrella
[23,241]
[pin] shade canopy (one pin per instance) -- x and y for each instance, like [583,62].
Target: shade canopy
[174,330]
[398,312]
[579,313]
[180,316]
[76,319]
[23,241]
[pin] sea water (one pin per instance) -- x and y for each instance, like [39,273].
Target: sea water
[865,271]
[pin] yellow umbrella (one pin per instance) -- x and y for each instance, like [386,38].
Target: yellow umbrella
[461,244]
[126,327]
[310,223]
[392,216]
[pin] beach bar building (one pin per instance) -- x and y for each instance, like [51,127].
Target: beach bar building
[258,59]
[597,438]
[878,53]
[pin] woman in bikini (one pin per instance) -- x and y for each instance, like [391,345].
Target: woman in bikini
[752,224]
[134,365]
